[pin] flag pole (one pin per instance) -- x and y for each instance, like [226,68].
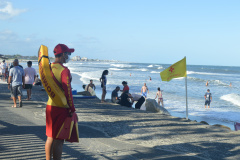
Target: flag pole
[186,95]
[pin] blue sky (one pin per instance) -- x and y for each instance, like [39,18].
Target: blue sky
[151,31]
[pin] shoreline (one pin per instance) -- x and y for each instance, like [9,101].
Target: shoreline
[175,114]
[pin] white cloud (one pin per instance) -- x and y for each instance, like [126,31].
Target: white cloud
[7,11]
[12,43]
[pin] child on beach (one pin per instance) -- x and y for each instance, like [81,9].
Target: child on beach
[159,95]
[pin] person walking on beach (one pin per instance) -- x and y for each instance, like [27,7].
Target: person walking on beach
[56,115]
[16,78]
[91,85]
[103,81]
[144,90]
[208,98]
[30,75]
[3,68]
[159,95]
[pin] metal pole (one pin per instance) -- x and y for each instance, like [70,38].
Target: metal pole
[186,98]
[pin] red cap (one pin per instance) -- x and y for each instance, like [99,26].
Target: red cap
[62,48]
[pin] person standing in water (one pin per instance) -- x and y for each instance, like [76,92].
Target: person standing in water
[208,98]
[144,90]
[159,95]
[103,81]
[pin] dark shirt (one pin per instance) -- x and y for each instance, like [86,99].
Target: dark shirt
[208,96]
[114,93]
[124,100]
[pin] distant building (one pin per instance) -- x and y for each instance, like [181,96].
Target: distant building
[84,59]
[76,58]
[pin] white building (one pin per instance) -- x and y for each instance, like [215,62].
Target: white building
[84,59]
[76,58]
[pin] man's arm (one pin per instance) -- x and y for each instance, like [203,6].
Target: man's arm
[9,81]
[23,81]
[88,86]
[66,84]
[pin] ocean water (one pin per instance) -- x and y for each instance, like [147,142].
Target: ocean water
[225,106]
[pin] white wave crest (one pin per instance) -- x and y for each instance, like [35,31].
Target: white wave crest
[120,65]
[154,72]
[160,67]
[208,73]
[115,69]
[143,69]
[233,98]
[150,66]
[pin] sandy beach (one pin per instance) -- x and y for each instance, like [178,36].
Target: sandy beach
[110,131]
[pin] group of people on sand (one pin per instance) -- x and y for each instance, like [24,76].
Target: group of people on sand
[127,99]
[19,78]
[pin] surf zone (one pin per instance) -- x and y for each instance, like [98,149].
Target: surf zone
[45,83]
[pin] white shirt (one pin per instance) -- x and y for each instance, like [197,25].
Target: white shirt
[29,75]
[3,67]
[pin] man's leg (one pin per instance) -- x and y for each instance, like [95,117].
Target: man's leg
[28,94]
[57,149]
[48,146]
[20,101]
[14,101]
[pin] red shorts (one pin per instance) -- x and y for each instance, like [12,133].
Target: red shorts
[55,117]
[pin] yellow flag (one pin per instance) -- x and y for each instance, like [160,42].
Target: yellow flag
[176,70]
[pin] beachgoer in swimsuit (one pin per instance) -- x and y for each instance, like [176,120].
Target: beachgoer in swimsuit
[159,95]
[103,81]
[144,90]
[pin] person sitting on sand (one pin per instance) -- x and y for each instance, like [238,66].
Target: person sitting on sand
[159,95]
[91,85]
[208,98]
[114,96]
[37,81]
[144,90]
[125,100]
[125,87]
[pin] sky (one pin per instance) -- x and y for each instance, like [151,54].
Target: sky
[141,31]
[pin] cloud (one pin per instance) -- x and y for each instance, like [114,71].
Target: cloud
[12,43]
[7,11]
